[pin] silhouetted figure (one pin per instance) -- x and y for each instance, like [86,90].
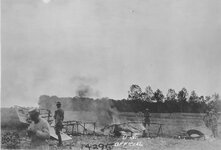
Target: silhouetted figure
[214,123]
[211,122]
[59,117]
[146,122]
[206,119]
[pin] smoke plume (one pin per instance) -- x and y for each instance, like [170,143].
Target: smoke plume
[86,91]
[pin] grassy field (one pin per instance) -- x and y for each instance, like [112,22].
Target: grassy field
[159,143]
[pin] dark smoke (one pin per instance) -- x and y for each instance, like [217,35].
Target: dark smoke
[86,91]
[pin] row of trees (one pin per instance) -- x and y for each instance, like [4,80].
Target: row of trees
[172,101]
[135,93]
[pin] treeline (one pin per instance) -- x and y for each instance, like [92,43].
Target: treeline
[138,101]
[162,107]
[171,102]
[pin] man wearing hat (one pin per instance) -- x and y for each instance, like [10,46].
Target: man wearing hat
[38,131]
[59,117]
[146,121]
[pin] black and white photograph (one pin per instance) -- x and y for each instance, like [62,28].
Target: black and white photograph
[111,74]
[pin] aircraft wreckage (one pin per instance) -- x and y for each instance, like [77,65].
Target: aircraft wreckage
[74,127]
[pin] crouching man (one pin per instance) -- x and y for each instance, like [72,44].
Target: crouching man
[38,131]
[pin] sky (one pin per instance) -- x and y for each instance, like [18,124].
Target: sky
[55,47]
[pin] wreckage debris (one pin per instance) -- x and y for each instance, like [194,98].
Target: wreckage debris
[195,134]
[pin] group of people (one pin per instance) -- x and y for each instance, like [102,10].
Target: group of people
[211,122]
[39,130]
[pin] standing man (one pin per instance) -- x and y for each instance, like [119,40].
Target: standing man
[38,131]
[214,123]
[59,117]
[146,122]
[206,119]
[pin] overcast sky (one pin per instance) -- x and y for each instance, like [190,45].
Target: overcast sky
[52,47]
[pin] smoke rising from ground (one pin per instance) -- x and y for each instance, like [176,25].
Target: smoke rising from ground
[84,86]
[86,91]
